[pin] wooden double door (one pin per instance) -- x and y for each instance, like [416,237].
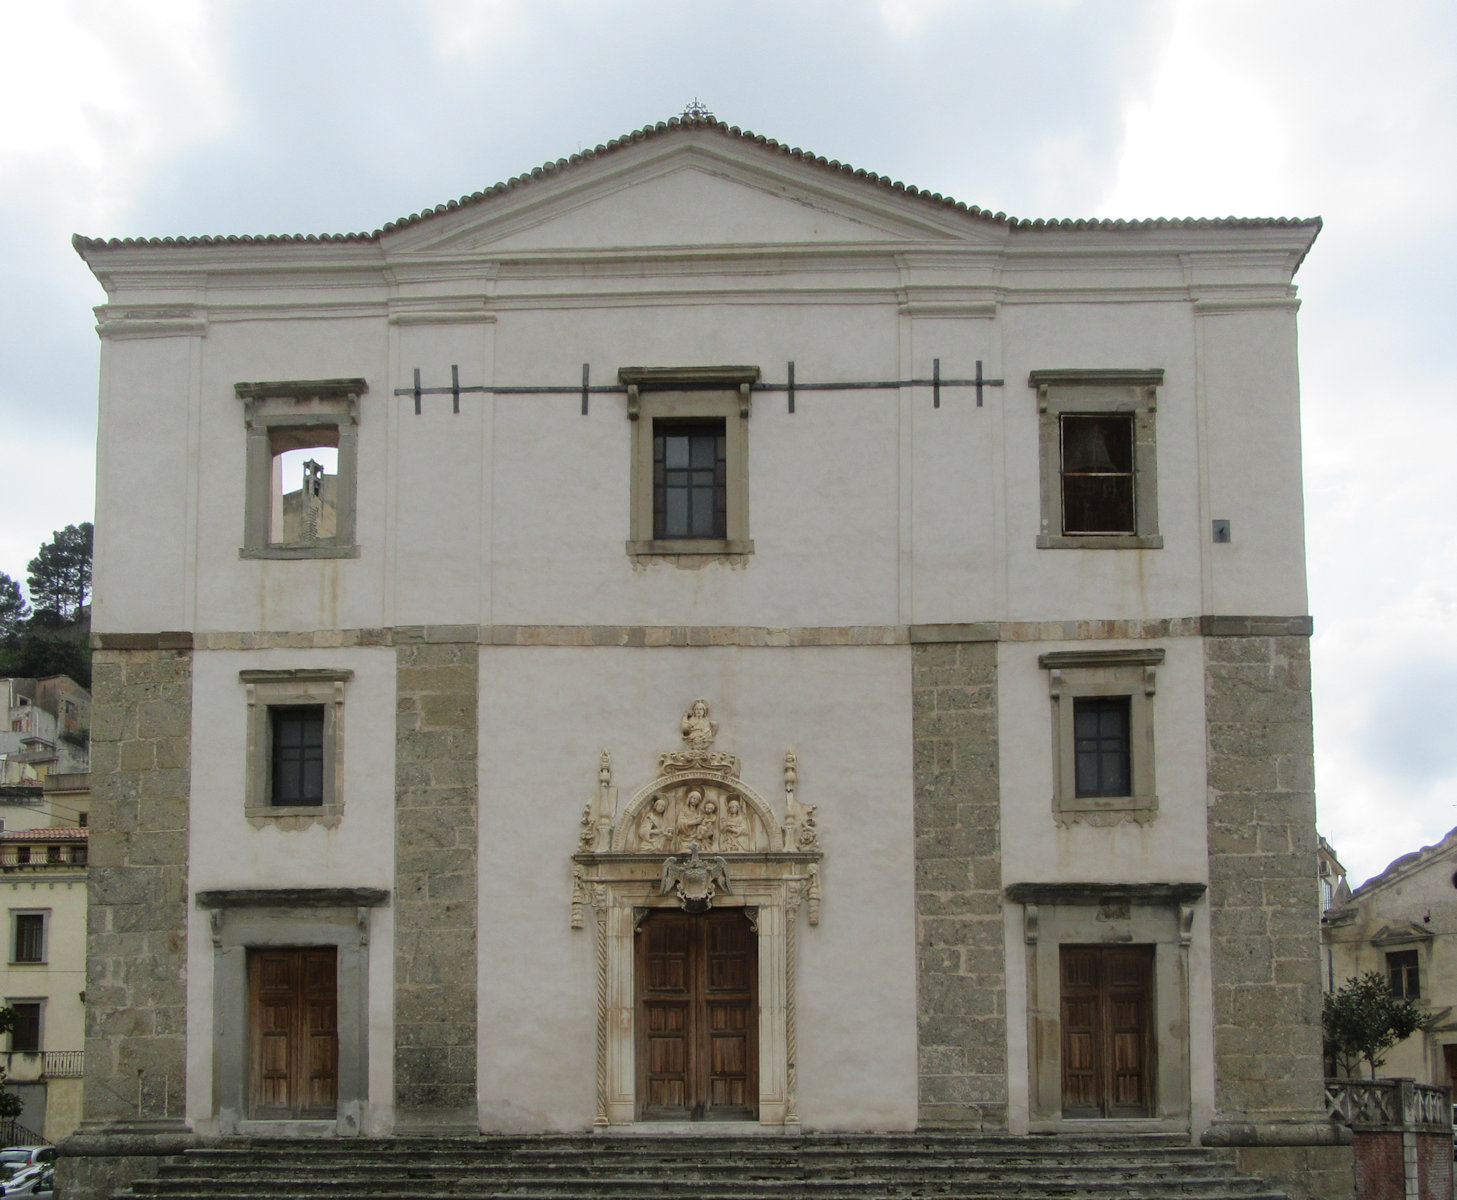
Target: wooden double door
[697,1017]
[1107,1031]
[293,1033]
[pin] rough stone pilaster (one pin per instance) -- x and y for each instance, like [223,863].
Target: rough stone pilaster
[961,984]
[1263,901]
[1263,908]
[136,951]
[435,881]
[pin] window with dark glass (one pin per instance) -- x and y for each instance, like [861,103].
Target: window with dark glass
[298,755]
[1404,974]
[1097,474]
[25,1033]
[1101,751]
[690,480]
[30,938]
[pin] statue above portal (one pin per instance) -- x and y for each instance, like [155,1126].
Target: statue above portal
[698,753]
[698,730]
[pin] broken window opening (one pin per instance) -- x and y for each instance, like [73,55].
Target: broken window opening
[304,506]
[1097,474]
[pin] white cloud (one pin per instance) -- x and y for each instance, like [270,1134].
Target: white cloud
[1312,107]
[50,482]
[1291,109]
[464,28]
[104,90]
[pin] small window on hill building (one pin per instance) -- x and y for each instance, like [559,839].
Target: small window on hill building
[25,1033]
[1403,974]
[28,937]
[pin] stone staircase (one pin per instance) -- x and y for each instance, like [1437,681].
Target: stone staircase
[925,1166]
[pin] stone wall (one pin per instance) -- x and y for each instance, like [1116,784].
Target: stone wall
[435,878]
[1264,916]
[961,986]
[136,968]
[1263,898]
[133,1093]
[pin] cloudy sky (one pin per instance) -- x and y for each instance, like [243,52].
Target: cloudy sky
[130,117]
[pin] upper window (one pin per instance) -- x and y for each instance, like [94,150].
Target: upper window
[1403,973]
[690,480]
[28,937]
[25,1033]
[1102,734]
[690,465]
[298,754]
[1102,755]
[1099,467]
[295,746]
[301,468]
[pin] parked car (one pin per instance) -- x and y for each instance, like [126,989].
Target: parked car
[13,1158]
[35,1180]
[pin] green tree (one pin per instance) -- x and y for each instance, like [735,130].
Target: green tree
[11,1105]
[1363,1019]
[60,575]
[13,608]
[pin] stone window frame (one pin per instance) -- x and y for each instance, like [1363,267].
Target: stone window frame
[273,408]
[689,394]
[269,689]
[1074,674]
[1096,392]
[45,937]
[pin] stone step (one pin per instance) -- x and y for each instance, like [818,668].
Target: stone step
[911,1166]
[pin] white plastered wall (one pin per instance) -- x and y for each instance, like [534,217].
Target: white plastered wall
[546,715]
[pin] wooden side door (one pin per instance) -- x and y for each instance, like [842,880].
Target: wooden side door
[1107,1031]
[293,1033]
[697,1017]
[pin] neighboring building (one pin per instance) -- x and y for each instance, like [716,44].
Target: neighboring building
[47,723]
[1403,923]
[940,573]
[43,864]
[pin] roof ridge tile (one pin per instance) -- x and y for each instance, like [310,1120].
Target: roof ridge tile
[712,124]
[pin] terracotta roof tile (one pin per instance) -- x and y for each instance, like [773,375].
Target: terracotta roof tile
[662,128]
[57,834]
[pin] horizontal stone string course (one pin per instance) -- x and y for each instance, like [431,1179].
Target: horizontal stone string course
[1137,629]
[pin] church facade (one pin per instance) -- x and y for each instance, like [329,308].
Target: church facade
[700,633]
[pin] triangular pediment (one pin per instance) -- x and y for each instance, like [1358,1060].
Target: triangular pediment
[693,188]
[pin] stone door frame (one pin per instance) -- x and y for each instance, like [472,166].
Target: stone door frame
[622,889]
[1157,914]
[249,919]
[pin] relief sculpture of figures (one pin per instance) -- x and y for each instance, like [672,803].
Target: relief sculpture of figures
[708,827]
[698,730]
[653,829]
[690,817]
[733,826]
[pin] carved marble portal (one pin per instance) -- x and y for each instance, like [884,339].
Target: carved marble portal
[696,836]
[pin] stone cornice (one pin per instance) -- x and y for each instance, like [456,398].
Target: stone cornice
[1095,893]
[342,897]
[1114,629]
